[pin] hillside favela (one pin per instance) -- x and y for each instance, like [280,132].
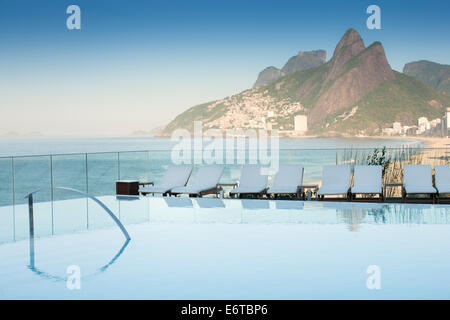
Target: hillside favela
[354,93]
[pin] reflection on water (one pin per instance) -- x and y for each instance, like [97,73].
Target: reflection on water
[210,203]
[54,277]
[255,204]
[353,218]
[178,202]
[179,247]
[77,215]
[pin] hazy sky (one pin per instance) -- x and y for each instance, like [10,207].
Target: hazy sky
[135,65]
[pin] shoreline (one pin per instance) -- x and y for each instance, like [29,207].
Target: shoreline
[435,143]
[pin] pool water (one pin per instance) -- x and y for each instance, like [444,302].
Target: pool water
[209,248]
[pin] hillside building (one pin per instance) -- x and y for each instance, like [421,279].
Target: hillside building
[397,127]
[445,123]
[301,123]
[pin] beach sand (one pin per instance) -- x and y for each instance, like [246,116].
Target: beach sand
[431,142]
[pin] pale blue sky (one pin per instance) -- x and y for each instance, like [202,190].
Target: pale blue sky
[137,64]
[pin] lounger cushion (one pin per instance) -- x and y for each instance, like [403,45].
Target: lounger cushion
[442,178]
[366,190]
[289,175]
[191,189]
[282,190]
[251,177]
[367,179]
[247,190]
[155,189]
[176,176]
[418,179]
[333,190]
[335,180]
[443,188]
[287,179]
[205,179]
[420,189]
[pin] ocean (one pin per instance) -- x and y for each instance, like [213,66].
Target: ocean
[94,164]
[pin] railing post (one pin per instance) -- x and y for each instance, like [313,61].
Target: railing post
[31,228]
[51,178]
[87,174]
[87,191]
[13,182]
[13,197]
[30,214]
[118,165]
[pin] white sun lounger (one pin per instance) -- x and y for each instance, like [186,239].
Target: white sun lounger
[367,180]
[288,180]
[442,179]
[205,181]
[335,181]
[251,181]
[175,176]
[417,179]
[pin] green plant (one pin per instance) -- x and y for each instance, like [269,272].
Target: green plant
[379,157]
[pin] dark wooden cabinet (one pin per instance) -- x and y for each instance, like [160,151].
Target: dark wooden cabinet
[127,187]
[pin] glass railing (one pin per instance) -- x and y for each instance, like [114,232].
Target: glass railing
[96,173]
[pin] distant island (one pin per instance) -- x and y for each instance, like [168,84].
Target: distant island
[11,134]
[355,93]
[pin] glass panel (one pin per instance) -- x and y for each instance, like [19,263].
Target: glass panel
[312,161]
[31,174]
[103,172]
[6,185]
[70,215]
[133,210]
[159,161]
[97,216]
[69,171]
[134,166]
[43,220]
[6,223]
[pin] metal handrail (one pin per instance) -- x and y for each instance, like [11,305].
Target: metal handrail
[169,150]
[111,214]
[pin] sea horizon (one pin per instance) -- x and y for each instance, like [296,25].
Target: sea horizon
[58,145]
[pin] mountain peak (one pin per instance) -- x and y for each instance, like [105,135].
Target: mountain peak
[305,60]
[302,61]
[268,75]
[351,44]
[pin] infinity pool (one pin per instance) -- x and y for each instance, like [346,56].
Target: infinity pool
[209,248]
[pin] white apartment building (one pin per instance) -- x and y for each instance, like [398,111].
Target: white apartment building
[397,127]
[301,123]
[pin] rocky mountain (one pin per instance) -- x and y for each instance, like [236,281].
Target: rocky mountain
[352,72]
[305,60]
[302,61]
[268,75]
[355,93]
[433,74]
